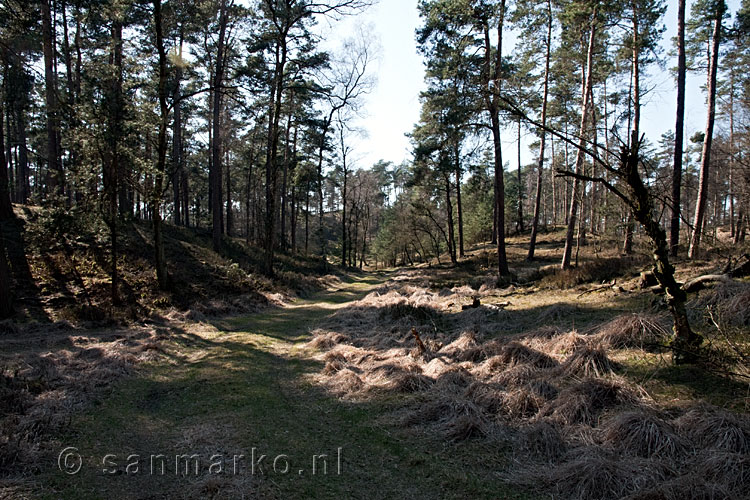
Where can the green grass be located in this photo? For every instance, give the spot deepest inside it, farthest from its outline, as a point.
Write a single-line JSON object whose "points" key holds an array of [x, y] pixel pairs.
{"points": [[244, 386]]}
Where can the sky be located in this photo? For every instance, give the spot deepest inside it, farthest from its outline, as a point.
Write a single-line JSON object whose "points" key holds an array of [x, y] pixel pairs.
{"points": [[392, 108]]}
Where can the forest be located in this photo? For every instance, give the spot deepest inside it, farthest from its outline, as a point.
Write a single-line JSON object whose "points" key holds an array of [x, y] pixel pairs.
{"points": [[206, 293]]}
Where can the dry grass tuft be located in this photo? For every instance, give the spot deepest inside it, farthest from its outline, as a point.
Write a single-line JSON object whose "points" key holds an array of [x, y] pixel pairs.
{"points": [[335, 356], [587, 361], [480, 352], [326, 340], [516, 353], [732, 470], [543, 388], [515, 376], [454, 378], [633, 330], [467, 340], [40, 390], [642, 433], [585, 401], [454, 416], [564, 343], [332, 367], [542, 441], [489, 397], [346, 383], [730, 300], [409, 382], [712, 427], [591, 473], [465, 427], [521, 403]]}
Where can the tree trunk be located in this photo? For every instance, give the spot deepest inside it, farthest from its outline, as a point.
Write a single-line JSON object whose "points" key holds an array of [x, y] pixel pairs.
{"points": [[287, 159], [540, 163], [229, 220], [55, 177], [272, 153], [216, 167], [157, 192], [459, 206], [713, 65], [674, 230], [6, 293], [115, 131], [685, 340], [449, 214], [177, 167], [519, 208], [586, 90], [6, 209], [493, 73]]}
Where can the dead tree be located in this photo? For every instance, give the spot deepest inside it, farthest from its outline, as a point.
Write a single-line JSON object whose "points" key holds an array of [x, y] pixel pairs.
{"points": [[640, 202]]}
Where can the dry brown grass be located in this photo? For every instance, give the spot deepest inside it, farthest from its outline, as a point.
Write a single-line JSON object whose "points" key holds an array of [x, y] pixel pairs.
{"points": [[587, 361], [731, 470], [642, 433], [517, 353], [409, 382], [633, 330], [730, 300], [516, 375], [454, 416], [489, 397], [592, 473], [714, 428], [552, 392], [326, 340], [585, 401], [40, 388], [541, 441]]}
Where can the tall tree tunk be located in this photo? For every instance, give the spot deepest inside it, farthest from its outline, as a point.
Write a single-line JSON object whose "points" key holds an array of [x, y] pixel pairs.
{"points": [[157, 190], [55, 176], [586, 90], [542, 133], [716, 12], [114, 108], [493, 63], [216, 144], [679, 132], [179, 211]]}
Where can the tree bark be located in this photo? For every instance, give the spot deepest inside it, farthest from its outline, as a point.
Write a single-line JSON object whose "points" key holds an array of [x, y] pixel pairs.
{"points": [[674, 230], [708, 139], [540, 163], [272, 153], [216, 197], [586, 90], [112, 168], [55, 177], [6, 208], [6, 290], [160, 261], [493, 76], [459, 206], [177, 166], [685, 340]]}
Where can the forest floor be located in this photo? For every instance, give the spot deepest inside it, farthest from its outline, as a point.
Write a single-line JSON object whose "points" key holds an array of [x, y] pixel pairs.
{"points": [[550, 387], [242, 386]]}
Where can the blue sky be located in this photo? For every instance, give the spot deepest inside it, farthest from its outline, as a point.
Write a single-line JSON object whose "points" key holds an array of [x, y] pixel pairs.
{"points": [[392, 108]]}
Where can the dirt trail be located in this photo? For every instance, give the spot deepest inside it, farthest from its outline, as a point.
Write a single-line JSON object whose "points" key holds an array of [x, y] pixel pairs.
{"points": [[238, 389]]}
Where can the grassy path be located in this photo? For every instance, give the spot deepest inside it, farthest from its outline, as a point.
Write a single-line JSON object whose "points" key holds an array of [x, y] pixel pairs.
{"points": [[228, 395]]}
